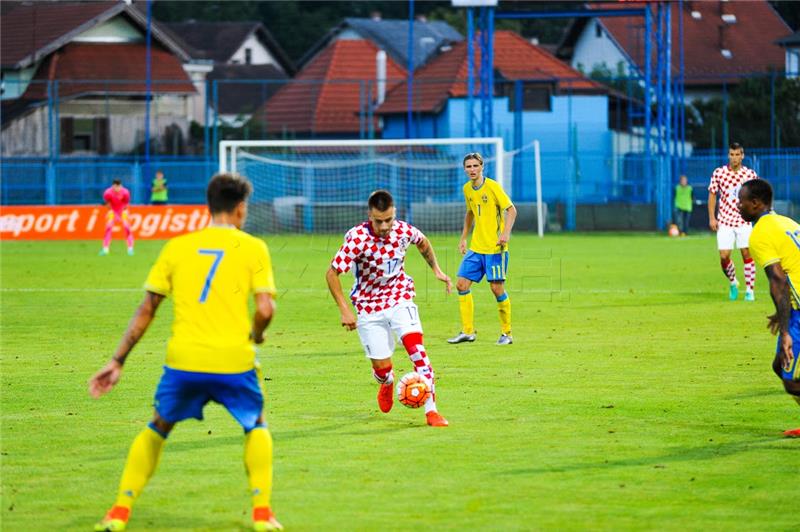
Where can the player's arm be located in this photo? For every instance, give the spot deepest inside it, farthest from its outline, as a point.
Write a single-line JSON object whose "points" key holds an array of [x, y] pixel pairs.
{"points": [[712, 209], [779, 322], [469, 218], [335, 287], [426, 250], [265, 309], [109, 375], [511, 216]]}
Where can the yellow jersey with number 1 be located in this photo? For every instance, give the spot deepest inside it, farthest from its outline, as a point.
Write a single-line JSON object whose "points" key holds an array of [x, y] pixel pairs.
{"points": [[487, 203], [211, 275], [776, 239]]}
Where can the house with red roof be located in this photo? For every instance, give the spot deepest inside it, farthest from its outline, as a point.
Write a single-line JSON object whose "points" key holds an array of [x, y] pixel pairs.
{"points": [[553, 96], [332, 95], [723, 42], [75, 71]]}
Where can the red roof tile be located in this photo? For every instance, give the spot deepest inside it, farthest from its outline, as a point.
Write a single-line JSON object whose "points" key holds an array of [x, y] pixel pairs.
{"points": [[326, 96], [92, 64], [28, 29], [514, 58], [751, 39]]}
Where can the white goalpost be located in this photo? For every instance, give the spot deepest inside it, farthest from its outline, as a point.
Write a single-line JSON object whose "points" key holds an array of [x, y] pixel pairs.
{"points": [[322, 185]]}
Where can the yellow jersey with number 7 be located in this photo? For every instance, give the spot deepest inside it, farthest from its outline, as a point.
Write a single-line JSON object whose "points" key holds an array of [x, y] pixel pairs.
{"points": [[211, 275], [487, 203], [776, 239]]}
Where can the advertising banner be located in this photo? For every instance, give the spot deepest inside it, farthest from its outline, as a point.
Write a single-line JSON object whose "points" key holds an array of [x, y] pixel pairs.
{"points": [[87, 222]]}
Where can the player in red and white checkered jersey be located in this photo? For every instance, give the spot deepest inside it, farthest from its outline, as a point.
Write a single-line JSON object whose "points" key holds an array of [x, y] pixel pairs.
{"points": [[383, 295], [730, 226]]}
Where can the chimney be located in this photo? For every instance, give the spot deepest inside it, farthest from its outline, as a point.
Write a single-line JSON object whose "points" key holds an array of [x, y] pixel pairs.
{"points": [[380, 76], [723, 41]]}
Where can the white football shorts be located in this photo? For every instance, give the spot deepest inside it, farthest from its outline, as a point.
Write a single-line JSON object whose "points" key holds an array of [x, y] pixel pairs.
{"points": [[728, 236], [377, 330]]}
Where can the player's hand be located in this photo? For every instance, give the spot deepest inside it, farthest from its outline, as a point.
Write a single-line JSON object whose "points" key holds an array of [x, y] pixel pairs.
{"points": [[446, 280], [348, 319], [258, 340], [774, 324], [105, 379], [502, 240], [786, 354], [462, 247], [713, 224]]}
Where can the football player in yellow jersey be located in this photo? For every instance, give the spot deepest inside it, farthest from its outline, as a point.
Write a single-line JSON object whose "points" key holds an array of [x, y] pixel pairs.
{"points": [[490, 210], [211, 354], [775, 245]]}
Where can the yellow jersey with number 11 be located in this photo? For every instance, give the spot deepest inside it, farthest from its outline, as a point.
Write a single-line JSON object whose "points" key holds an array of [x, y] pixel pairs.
{"points": [[487, 203]]}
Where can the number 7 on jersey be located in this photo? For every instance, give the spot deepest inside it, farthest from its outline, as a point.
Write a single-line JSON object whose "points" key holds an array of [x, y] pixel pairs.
{"points": [[217, 254]]}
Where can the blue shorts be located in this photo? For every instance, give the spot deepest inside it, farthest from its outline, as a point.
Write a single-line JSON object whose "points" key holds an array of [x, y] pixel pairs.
{"points": [[793, 373], [475, 265], [183, 394]]}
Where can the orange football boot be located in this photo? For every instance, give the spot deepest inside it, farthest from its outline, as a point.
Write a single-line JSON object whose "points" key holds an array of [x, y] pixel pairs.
{"points": [[792, 433], [264, 519], [385, 397], [435, 419]]}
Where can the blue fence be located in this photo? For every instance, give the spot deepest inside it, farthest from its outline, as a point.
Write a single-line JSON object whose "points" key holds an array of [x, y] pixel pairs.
{"points": [[567, 179]]}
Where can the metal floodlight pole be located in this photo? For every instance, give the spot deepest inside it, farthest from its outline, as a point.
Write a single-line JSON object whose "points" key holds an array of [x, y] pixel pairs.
{"points": [[148, 81], [410, 93]]}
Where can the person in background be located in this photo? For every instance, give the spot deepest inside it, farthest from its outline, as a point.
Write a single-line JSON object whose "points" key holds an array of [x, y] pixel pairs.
{"points": [[683, 205], [117, 198], [158, 192]]}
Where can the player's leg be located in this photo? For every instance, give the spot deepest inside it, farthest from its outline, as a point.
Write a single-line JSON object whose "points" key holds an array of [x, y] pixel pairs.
{"points": [[496, 269], [179, 396], [406, 324], [726, 239], [376, 337], [241, 394], [790, 375], [743, 243], [143, 458], [128, 232], [110, 217], [471, 270]]}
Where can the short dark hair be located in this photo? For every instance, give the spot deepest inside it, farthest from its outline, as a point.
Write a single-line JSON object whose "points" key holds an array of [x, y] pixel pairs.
{"points": [[226, 191], [380, 200], [115, 182], [735, 146], [759, 189], [474, 155]]}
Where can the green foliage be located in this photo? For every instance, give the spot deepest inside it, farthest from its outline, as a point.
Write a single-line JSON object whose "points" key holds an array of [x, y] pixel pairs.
{"points": [[297, 26], [635, 397], [748, 115]]}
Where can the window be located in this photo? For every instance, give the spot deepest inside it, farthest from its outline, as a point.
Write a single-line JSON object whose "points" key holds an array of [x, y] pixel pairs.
{"points": [[598, 30], [248, 56], [535, 96], [84, 135]]}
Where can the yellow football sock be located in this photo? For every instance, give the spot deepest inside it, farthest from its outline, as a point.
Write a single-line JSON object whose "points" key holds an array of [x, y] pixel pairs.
{"points": [[142, 461], [466, 308], [504, 310], [258, 461]]}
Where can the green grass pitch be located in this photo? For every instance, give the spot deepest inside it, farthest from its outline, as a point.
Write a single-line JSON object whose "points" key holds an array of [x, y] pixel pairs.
{"points": [[635, 396]]}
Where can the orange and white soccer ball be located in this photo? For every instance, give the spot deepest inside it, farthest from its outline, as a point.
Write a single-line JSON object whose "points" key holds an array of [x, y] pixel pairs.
{"points": [[673, 230], [413, 390]]}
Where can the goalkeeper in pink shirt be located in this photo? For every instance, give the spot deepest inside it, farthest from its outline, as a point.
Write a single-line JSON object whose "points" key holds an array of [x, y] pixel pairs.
{"points": [[117, 198]]}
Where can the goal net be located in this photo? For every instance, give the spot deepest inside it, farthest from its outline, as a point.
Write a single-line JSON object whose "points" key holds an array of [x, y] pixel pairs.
{"points": [[323, 185]]}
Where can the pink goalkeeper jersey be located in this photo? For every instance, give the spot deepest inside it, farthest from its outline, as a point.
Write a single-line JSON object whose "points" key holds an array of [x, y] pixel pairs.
{"points": [[381, 282], [727, 183], [118, 199]]}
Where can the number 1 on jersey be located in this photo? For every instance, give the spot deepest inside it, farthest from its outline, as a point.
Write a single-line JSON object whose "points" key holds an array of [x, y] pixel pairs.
{"points": [[217, 253]]}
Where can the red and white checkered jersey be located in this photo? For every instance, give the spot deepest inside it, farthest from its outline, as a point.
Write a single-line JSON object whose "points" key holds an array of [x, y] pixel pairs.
{"points": [[727, 183], [377, 263]]}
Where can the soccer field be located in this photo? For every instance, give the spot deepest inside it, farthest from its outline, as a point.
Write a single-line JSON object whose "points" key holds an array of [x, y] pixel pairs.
{"points": [[635, 396]]}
